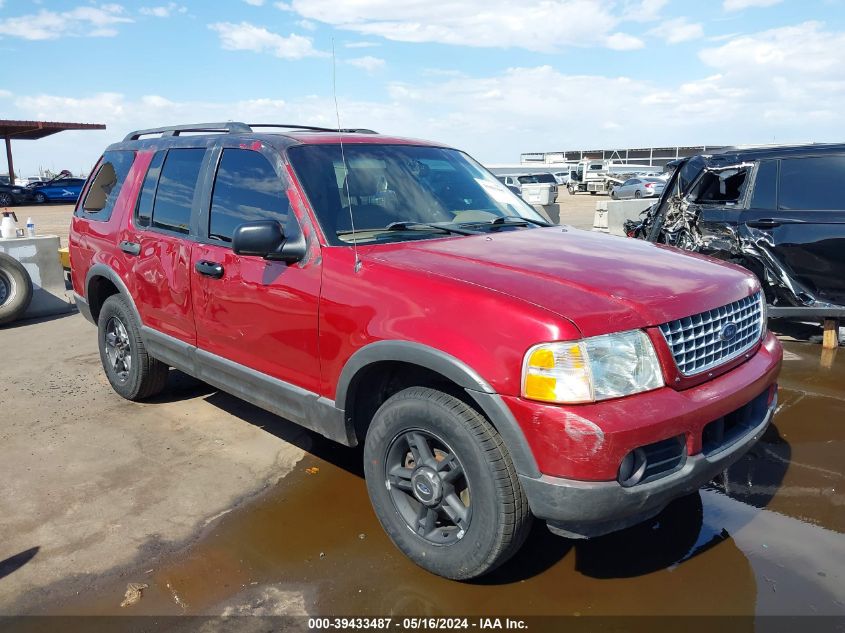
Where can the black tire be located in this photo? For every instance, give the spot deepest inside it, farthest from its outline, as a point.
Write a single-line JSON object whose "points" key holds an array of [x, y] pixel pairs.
{"points": [[15, 289], [40, 198], [465, 453], [637, 194], [6, 199], [119, 337]]}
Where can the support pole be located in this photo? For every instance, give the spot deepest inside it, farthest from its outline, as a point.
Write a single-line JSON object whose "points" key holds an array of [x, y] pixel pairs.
{"points": [[9, 161], [831, 334]]}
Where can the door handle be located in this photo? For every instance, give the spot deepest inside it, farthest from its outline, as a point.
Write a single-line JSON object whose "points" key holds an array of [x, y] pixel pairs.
{"points": [[764, 223], [130, 248], [209, 269]]}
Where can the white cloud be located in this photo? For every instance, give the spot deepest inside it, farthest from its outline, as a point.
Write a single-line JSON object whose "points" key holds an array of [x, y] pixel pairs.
{"points": [[536, 25], [780, 83], [678, 30], [308, 25], [92, 21], [794, 51], [368, 63], [739, 5], [624, 42], [248, 37], [163, 11], [255, 3], [645, 10]]}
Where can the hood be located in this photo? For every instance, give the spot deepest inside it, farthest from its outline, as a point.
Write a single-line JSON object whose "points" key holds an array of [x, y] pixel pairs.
{"points": [[601, 283]]}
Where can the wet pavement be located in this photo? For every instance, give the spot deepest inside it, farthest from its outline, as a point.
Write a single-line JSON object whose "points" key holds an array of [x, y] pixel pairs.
{"points": [[767, 539]]}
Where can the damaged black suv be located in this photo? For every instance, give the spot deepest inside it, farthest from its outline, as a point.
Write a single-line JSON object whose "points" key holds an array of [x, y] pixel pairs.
{"points": [[778, 211]]}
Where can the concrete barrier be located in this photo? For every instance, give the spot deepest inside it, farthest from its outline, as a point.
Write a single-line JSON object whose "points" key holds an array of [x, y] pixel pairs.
{"points": [[600, 218], [40, 257], [611, 215]]}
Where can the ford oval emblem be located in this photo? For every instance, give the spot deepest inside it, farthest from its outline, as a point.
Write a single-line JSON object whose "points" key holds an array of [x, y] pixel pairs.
{"points": [[728, 332], [424, 489]]}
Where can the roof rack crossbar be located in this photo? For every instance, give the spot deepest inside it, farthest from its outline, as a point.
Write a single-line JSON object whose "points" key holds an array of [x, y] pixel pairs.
{"points": [[230, 127]]}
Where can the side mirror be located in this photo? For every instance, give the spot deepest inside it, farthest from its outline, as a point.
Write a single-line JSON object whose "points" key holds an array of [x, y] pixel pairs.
{"points": [[266, 238]]}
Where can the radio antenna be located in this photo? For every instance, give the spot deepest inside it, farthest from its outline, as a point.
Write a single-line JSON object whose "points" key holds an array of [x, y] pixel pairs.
{"points": [[343, 160]]}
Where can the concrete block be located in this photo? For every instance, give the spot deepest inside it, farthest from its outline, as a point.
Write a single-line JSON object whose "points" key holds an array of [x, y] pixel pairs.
{"points": [[40, 257], [600, 218], [618, 211]]}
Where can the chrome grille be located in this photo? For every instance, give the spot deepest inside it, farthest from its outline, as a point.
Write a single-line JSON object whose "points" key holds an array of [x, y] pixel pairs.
{"points": [[697, 341]]}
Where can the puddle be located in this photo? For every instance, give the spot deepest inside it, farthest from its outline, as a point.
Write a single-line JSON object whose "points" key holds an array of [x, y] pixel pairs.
{"points": [[768, 540]]}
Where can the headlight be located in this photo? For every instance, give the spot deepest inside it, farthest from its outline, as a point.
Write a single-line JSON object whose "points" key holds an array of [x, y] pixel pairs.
{"points": [[597, 368]]}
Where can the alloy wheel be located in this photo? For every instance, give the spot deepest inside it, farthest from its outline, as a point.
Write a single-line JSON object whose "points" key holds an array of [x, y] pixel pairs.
{"points": [[428, 486], [118, 349]]}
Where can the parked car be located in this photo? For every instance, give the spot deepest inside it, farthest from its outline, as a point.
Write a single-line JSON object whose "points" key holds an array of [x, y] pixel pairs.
{"points": [[640, 187], [772, 210], [395, 294], [12, 194], [562, 177], [59, 190]]}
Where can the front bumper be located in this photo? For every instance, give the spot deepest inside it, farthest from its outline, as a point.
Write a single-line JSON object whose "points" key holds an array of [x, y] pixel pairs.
{"points": [[581, 509]]}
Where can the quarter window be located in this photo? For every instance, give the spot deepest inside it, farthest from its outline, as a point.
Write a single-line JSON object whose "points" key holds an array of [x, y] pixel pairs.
{"points": [[810, 183], [176, 186], [105, 188], [246, 189]]}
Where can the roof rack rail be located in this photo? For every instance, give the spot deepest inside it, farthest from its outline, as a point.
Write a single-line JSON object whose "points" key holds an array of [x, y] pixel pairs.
{"points": [[312, 128], [230, 127], [235, 127]]}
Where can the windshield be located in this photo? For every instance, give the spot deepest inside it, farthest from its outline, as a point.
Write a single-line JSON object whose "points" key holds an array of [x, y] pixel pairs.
{"points": [[390, 187]]}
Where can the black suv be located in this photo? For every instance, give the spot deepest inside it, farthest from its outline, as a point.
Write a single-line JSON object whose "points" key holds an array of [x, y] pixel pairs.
{"points": [[778, 211]]}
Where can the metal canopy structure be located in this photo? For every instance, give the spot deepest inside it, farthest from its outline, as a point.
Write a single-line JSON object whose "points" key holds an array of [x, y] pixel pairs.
{"points": [[33, 130]]}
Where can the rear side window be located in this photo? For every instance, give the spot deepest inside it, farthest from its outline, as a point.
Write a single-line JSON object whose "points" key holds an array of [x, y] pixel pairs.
{"points": [[765, 186], [810, 183], [176, 185], [144, 208], [246, 189], [105, 188]]}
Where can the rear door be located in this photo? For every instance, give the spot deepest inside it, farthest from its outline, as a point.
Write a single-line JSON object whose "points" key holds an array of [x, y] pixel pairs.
{"points": [[159, 242], [260, 314], [799, 207]]}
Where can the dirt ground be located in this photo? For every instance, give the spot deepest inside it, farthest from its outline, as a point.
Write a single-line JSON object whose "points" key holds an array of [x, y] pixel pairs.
{"points": [[221, 508]]}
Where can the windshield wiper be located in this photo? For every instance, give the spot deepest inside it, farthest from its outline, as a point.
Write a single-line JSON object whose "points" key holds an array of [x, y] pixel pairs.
{"points": [[414, 226], [508, 220]]}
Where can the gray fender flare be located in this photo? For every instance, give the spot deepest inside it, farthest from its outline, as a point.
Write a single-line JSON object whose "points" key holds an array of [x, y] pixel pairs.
{"points": [[488, 401], [102, 270]]}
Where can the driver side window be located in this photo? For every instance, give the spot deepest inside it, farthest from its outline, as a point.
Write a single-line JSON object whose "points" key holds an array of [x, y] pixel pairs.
{"points": [[246, 189]]}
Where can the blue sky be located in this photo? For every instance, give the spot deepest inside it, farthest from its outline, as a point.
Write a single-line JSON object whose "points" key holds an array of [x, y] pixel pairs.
{"points": [[496, 78]]}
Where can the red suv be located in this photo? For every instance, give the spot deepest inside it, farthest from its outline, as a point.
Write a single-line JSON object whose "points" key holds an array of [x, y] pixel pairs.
{"points": [[394, 293]]}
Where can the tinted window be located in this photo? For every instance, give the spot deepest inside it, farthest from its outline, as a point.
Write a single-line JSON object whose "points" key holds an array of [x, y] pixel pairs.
{"points": [[176, 185], [144, 208], [246, 189], [810, 183], [105, 188], [765, 186]]}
